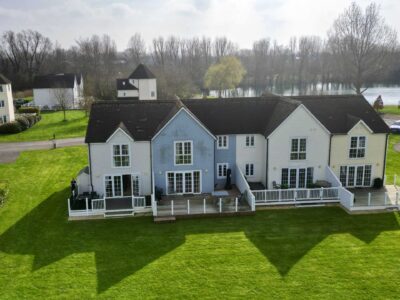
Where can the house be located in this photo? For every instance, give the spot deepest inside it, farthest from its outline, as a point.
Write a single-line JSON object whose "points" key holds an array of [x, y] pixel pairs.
{"points": [[47, 88], [140, 85], [6, 101], [295, 146]]}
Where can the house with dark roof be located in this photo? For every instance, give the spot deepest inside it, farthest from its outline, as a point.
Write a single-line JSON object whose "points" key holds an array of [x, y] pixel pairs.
{"points": [[47, 88], [6, 101], [140, 85], [260, 151]]}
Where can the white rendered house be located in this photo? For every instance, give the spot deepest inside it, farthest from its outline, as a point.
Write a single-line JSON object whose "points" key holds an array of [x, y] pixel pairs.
{"points": [[140, 85], [45, 88], [6, 101], [274, 150]]}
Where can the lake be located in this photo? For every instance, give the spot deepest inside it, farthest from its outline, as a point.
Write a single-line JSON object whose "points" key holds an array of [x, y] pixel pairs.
{"points": [[390, 94]]}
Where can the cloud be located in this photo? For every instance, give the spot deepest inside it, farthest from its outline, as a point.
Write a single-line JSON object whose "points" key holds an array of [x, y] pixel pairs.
{"points": [[242, 21]]}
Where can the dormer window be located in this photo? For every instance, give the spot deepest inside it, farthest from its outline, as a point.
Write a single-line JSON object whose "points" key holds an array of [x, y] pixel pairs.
{"points": [[357, 147]]}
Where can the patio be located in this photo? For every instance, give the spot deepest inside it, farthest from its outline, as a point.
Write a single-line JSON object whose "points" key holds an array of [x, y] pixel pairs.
{"points": [[386, 196], [230, 201]]}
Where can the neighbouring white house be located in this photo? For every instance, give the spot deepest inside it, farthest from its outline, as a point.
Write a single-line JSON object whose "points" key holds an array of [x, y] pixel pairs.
{"points": [[140, 85], [47, 87], [6, 101], [229, 155]]}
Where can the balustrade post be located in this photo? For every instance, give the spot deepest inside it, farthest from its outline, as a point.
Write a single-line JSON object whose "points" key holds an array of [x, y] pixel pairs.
{"points": [[265, 196], [236, 204], [172, 207], [280, 195], [220, 205], [188, 207], [133, 202], [295, 195], [87, 206], [204, 206], [69, 206], [321, 193]]}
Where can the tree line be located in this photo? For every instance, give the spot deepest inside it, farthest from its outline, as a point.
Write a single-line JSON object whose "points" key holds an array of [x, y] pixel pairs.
{"points": [[358, 51]]}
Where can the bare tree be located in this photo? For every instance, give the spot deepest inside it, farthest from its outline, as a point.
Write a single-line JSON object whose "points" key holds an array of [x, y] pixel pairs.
{"points": [[62, 99], [26, 51], [362, 43], [136, 50]]}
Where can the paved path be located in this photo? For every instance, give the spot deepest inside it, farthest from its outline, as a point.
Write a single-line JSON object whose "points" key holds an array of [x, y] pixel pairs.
{"points": [[9, 152]]}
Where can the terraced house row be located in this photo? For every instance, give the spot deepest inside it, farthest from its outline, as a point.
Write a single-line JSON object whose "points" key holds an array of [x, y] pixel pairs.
{"points": [[215, 147]]}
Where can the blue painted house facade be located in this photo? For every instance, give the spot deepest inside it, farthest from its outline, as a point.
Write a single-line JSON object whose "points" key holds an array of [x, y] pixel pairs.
{"points": [[183, 156]]}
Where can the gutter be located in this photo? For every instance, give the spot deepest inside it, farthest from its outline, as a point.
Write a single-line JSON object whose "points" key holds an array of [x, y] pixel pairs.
{"points": [[330, 150], [90, 168], [267, 165], [384, 160]]}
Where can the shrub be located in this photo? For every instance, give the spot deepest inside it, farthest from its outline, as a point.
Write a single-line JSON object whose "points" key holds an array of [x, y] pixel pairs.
{"points": [[378, 183], [29, 110], [11, 127], [32, 119], [24, 122], [3, 192]]}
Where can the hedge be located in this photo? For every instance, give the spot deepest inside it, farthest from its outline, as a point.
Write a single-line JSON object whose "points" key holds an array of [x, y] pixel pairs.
{"points": [[32, 119], [11, 127], [4, 190], [24, 122], [29, 110]]}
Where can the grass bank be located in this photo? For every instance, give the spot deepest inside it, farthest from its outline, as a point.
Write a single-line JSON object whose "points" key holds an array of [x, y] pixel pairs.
{"points": [[292, 254], [52, 123]]}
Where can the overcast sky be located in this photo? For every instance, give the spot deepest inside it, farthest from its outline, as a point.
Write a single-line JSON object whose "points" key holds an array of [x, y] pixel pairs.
{"points": [[241, 21]]}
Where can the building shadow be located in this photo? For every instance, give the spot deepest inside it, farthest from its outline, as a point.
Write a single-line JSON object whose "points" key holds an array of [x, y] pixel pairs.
{"points": [[124, 246]]}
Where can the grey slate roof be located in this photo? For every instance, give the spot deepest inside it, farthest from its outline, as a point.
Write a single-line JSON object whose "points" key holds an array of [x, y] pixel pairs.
{"points": [[4, 79], [140, 118], [141, 72], [143, 119], [61, 80], [340, 113]]}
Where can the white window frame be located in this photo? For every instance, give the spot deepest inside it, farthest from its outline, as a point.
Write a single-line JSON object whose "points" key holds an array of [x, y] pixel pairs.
{"points": [[355, 185], [222, 142], [308, 174], [112, 155], [245, 170], [183, 148], [183, 182], [122, 182], [250, 141], [222, 165], [298, 152], [357, 148]]}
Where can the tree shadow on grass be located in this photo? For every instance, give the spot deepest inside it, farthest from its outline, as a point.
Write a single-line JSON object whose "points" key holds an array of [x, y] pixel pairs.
{"points": [[124, 246]]}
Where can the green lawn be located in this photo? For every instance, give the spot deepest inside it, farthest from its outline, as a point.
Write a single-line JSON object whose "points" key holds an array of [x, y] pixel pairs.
{"points": [[295, 253], [393, 160], [391, 109], [52, 122]]}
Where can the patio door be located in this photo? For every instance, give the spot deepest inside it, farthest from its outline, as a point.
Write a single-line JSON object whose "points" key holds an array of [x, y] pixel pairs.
{"points": [[297, 177], [125, 185], [356, 176], [187, 182]]}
